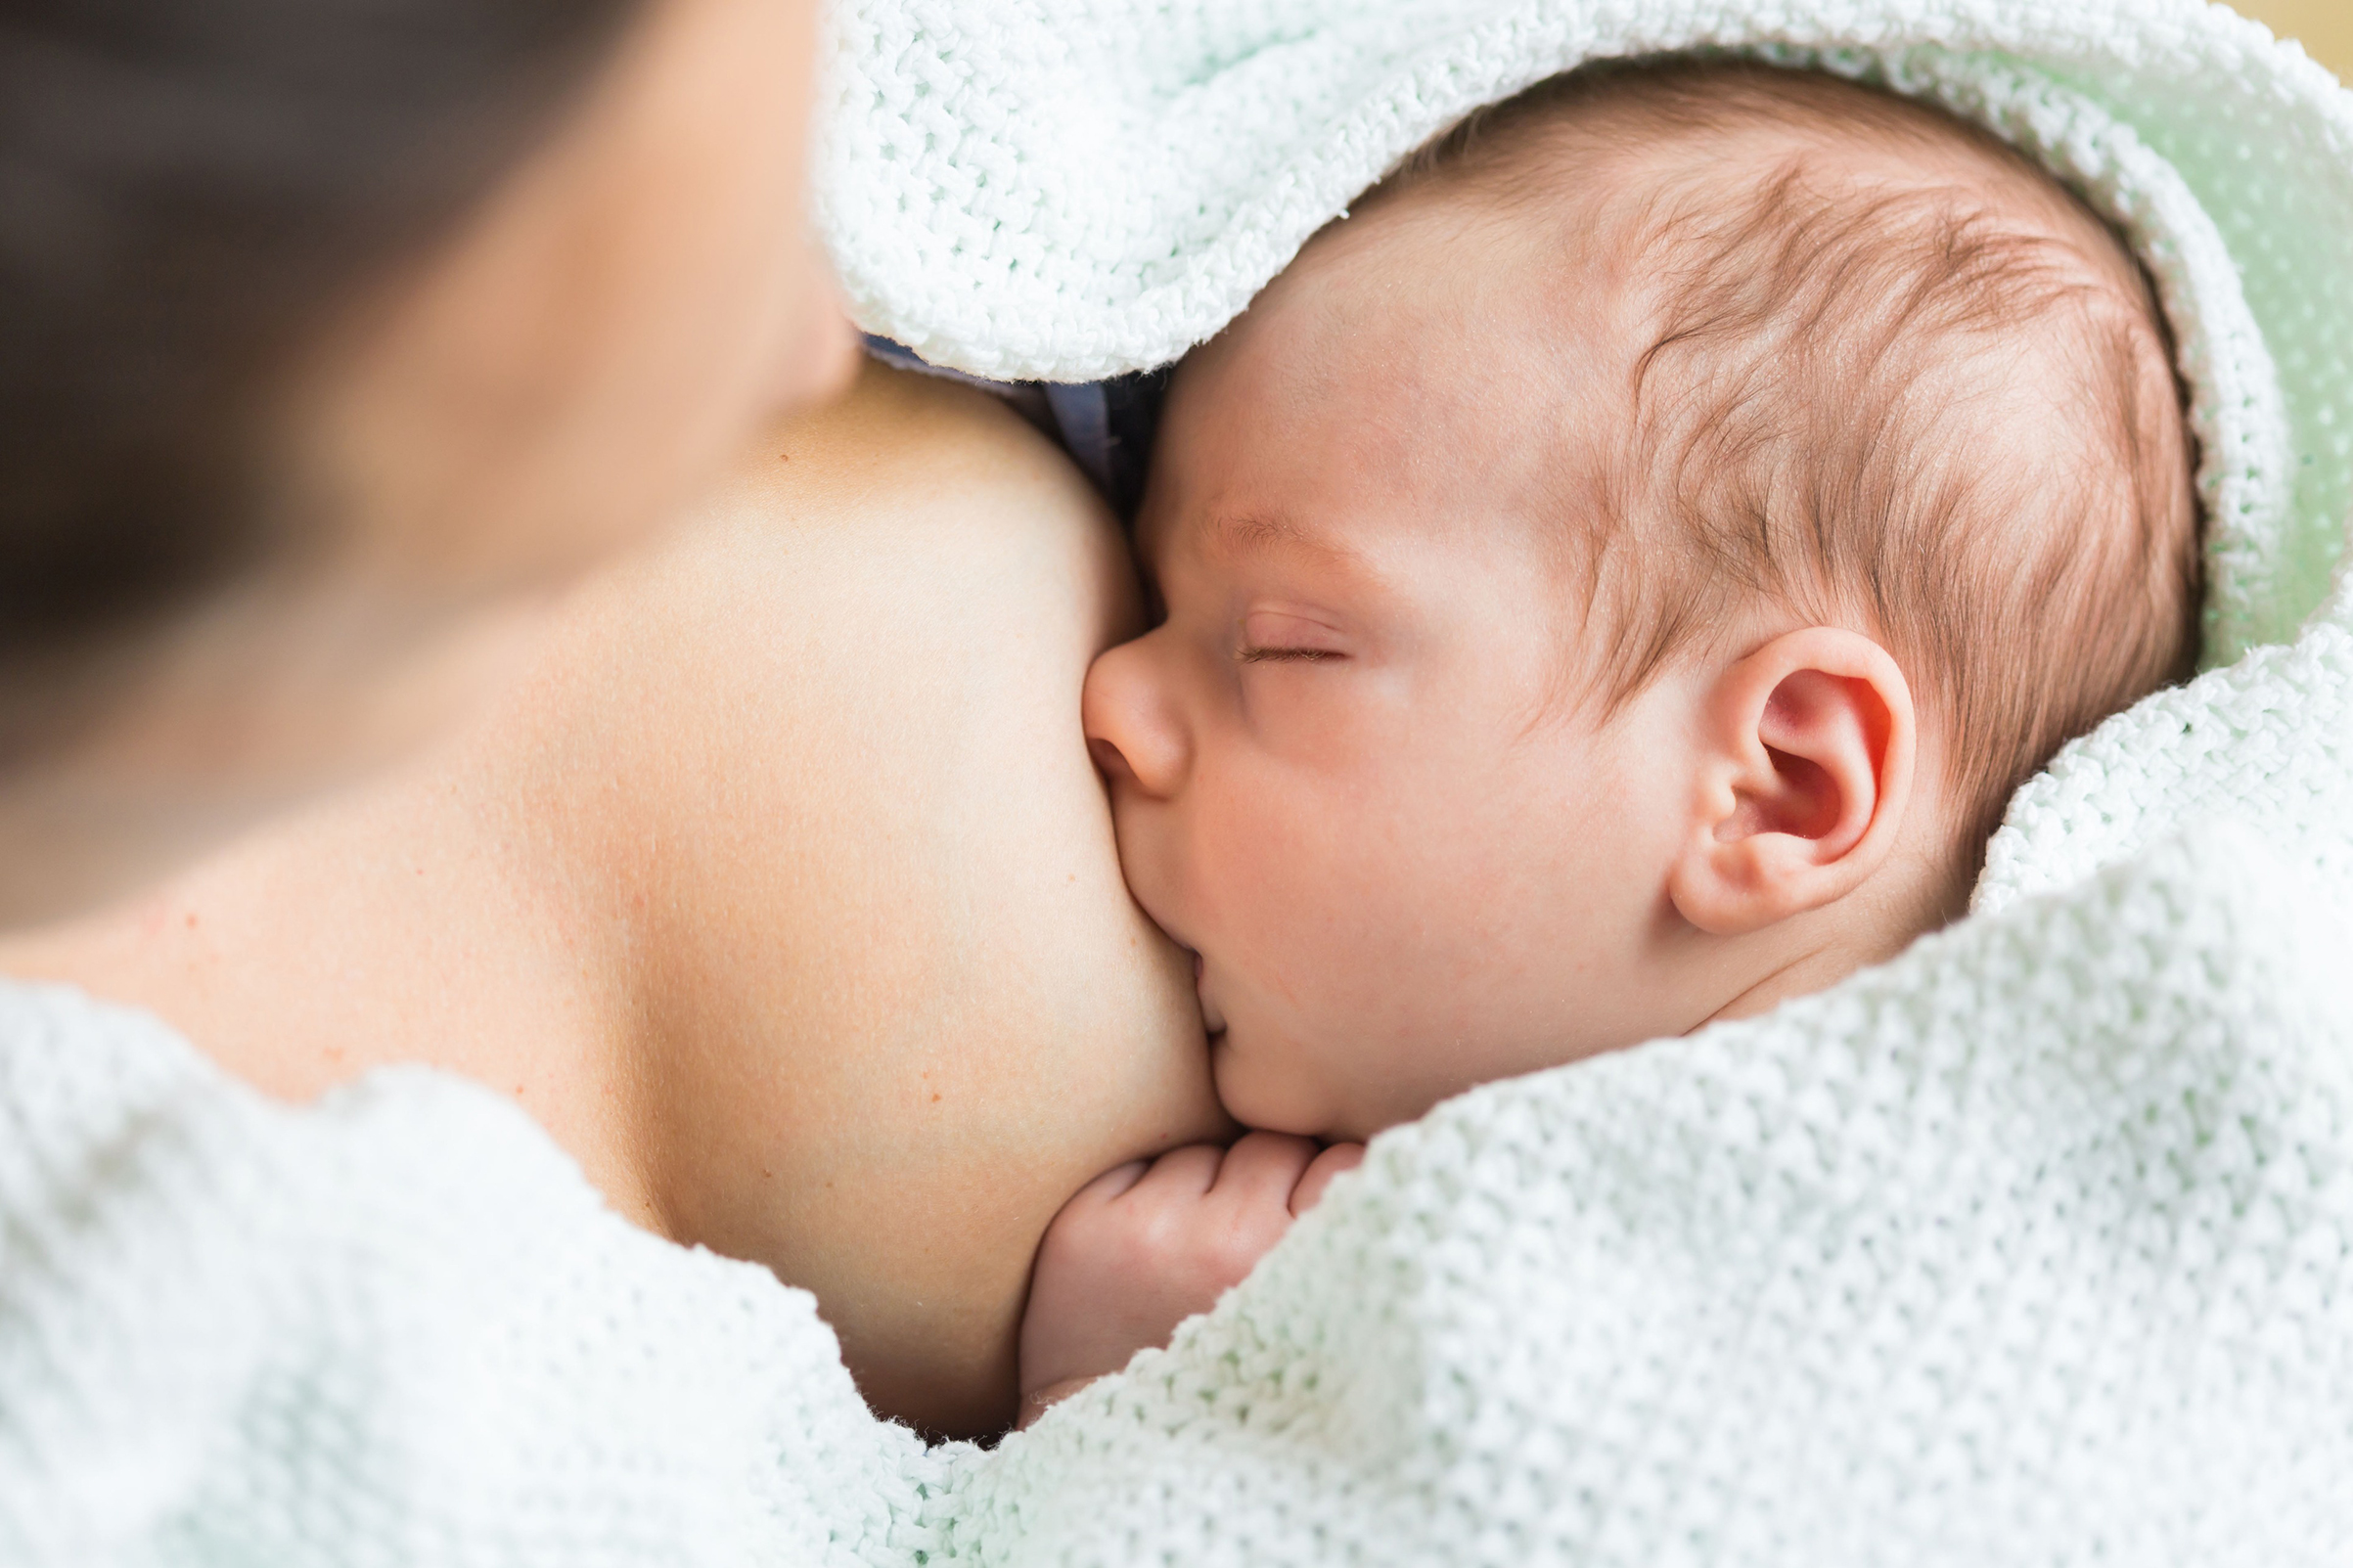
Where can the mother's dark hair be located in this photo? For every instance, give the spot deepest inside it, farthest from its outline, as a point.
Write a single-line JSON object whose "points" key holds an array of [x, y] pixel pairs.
{"points": [[188, 191]]}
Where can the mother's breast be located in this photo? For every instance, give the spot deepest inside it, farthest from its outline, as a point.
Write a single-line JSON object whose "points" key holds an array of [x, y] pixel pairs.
{"points": [[894, 1002]]}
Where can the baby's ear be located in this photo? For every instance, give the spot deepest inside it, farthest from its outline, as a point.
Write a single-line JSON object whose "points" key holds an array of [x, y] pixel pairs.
{"points": [[1805, 766]]}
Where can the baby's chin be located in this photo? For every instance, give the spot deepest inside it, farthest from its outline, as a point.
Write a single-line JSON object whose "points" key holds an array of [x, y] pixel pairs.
{"points": [[1257, 1092]]}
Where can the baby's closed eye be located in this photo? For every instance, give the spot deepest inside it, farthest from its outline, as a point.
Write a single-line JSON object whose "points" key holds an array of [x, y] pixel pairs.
{"points": [[1275, 635], [1311, 655]]}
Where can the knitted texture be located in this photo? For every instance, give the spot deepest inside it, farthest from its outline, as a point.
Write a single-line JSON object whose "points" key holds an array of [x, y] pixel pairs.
{"points": [[1066, 190], [400, 1328], [2031, 1246]]}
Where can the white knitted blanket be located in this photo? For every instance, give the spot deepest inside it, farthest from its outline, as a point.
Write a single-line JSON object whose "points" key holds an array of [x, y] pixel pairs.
{"points": [[2031, 1246]]}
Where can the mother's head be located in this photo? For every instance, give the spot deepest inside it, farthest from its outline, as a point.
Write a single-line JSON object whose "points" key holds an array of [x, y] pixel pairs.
{"points": [[335, 330]]}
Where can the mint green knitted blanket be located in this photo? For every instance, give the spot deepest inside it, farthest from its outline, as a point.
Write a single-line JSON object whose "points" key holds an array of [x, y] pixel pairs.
{"points": [[2031, 1246]]}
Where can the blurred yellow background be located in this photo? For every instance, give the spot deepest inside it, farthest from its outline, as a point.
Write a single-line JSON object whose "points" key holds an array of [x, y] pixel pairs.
{"points": [[2325, 26]]}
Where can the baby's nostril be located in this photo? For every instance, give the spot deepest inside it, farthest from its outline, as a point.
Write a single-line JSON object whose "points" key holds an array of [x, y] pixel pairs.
{"points": [[1108, 759]]}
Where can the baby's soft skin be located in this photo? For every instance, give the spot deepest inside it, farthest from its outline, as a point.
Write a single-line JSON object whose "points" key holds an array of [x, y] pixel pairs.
{"points": [[1142, 1247], [1358, 766], [1349, 773]]}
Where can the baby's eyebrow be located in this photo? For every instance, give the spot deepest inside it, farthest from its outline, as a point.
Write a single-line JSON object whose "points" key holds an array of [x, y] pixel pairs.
{"points": [[1242, 533]]}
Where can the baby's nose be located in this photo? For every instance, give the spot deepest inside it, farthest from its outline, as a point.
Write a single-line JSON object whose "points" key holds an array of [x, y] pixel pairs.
{"points": [[1110, 760], [1135, 728]]}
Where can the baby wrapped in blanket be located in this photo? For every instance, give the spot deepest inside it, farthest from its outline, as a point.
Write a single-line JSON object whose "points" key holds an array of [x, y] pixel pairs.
{"points": [[1612, 582]]}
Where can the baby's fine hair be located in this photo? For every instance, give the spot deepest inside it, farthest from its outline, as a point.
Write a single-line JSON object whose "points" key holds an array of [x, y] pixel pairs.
{"points": [[1894, 376]]}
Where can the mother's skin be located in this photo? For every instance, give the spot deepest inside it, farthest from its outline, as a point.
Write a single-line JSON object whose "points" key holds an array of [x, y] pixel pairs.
{"points": [[783, 894]]}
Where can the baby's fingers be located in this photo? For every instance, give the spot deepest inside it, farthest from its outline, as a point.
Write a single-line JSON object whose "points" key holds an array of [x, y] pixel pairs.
{"points": [[1112, 1183], [1180, 1174], [1262, 1170], [1319, 1174]]}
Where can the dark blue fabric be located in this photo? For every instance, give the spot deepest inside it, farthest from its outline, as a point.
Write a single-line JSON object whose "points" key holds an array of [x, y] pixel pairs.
{"points": [[1107, 427]]}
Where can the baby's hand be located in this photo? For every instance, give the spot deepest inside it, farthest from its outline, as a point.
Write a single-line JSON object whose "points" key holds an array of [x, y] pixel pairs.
{"points": [[1145, 1247]]}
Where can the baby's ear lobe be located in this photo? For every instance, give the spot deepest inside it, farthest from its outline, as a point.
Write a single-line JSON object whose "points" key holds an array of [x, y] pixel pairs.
{"points": [[1806, 766]]}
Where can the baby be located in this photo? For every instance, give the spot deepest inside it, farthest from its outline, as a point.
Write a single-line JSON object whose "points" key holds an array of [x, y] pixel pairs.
{"points": [[1611, 582]]}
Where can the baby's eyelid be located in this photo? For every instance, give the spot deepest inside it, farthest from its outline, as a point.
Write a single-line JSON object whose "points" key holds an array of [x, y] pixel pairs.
{"points": [[1281, 634]]}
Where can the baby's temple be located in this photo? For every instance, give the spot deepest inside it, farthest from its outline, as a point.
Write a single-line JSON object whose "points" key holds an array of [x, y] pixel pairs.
{"points": [[894, 783]]}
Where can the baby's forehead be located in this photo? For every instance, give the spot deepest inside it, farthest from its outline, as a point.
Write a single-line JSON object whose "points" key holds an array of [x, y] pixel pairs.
{"points": [[1601, 220], [1483, 320]]}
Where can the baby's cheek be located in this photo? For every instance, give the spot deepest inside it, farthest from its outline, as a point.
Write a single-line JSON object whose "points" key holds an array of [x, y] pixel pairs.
{"points": [[1299, 909], [1316, 894]]}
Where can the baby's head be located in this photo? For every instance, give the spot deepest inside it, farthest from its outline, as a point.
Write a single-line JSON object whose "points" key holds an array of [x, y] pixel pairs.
{"points": [[1615, 578]]}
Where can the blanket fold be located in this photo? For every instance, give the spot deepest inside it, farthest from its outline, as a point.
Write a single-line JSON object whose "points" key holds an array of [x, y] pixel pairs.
{"points": [[2031, 1246]]}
